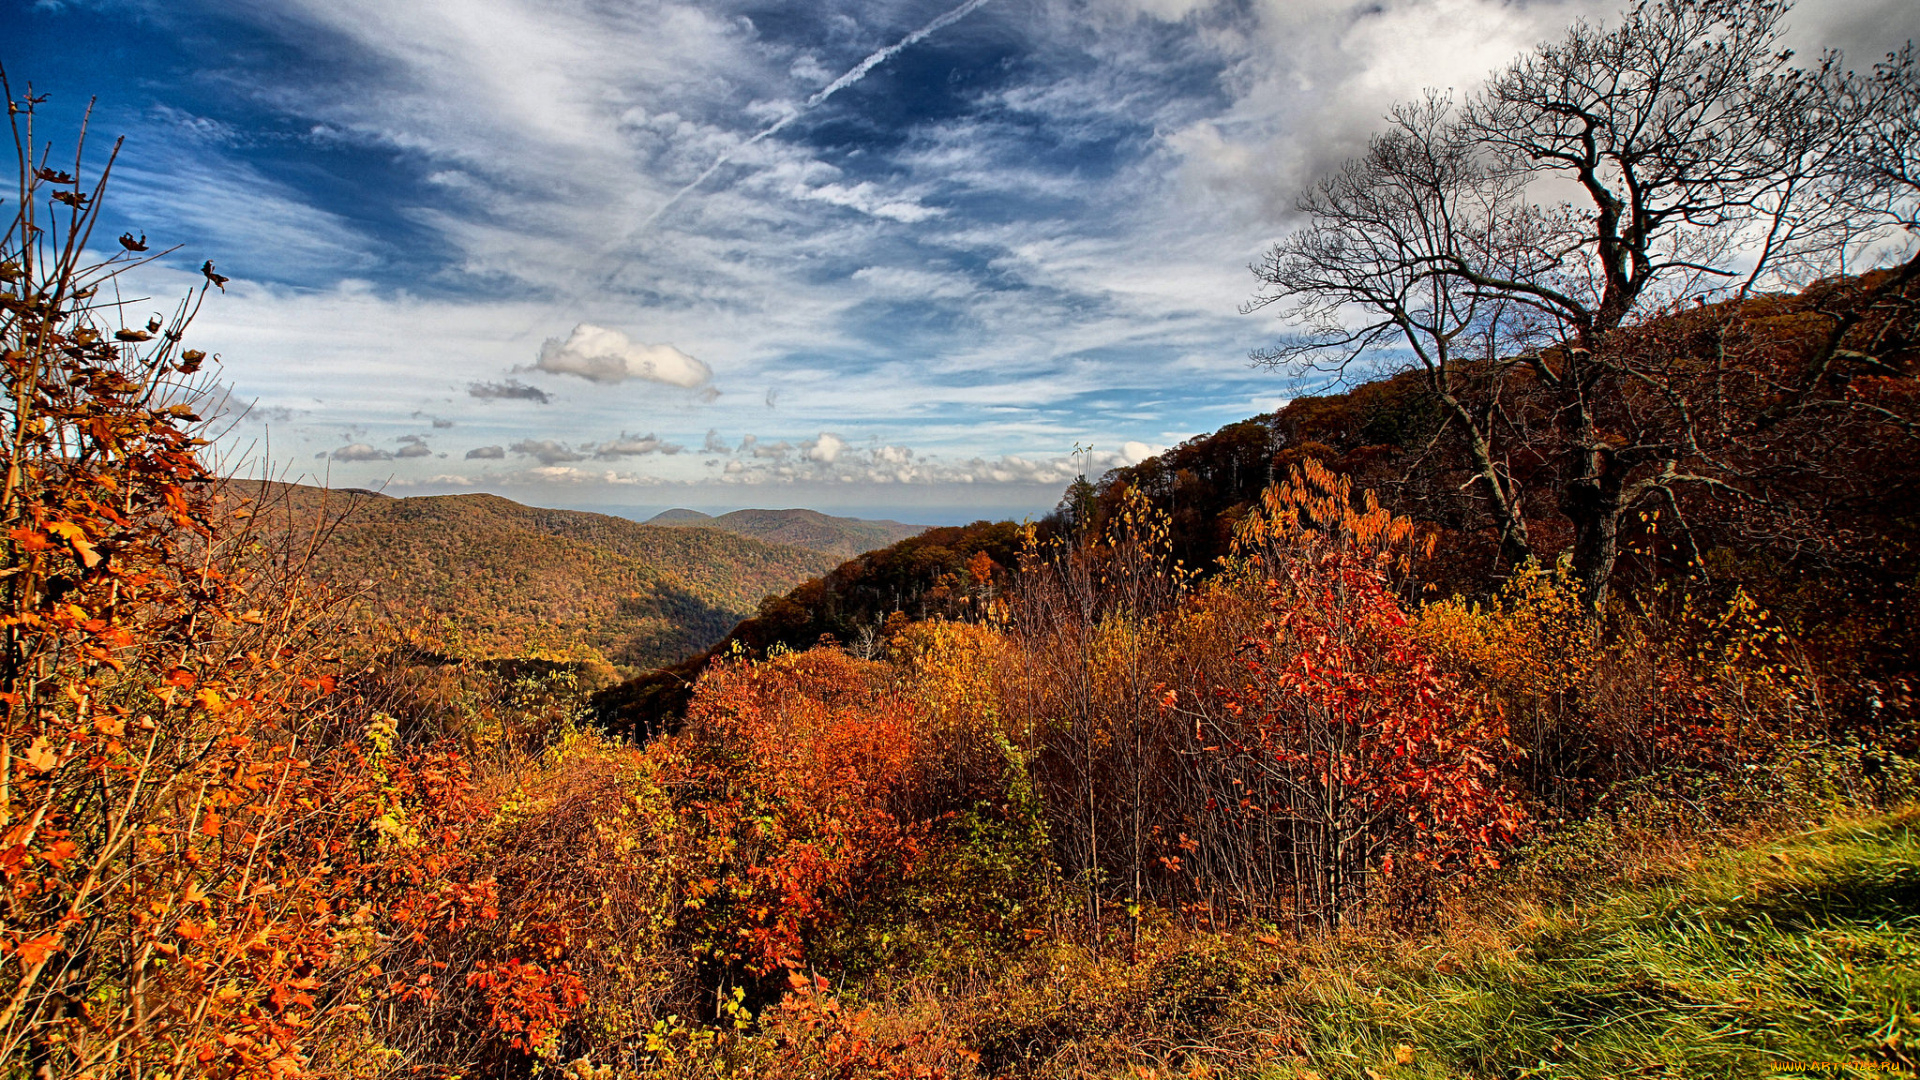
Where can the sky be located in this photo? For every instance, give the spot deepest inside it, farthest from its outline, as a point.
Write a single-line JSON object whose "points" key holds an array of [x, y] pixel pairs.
{"points": [[919, 260]]}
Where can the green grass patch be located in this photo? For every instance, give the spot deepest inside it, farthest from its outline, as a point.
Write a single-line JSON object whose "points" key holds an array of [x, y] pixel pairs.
{"points": [[1799, 958]]}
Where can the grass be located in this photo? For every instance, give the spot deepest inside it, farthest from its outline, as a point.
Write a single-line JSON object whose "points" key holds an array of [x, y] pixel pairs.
{"points": [[1796, 958]]}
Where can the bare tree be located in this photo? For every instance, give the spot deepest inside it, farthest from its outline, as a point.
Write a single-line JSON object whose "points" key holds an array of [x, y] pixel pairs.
{"points": [[1505, 243]]}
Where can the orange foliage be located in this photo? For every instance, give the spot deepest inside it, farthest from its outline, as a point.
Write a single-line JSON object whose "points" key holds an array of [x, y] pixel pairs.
{"points": [[1599, 701], [801, 762], [1315, 511]]}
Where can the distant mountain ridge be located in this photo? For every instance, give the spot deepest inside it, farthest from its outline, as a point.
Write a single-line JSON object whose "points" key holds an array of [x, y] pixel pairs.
{"points": [[503, 580], [840, 537]]}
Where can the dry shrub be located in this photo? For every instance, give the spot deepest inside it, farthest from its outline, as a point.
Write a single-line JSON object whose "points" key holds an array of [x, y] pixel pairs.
{"points": [[813, 1035]]}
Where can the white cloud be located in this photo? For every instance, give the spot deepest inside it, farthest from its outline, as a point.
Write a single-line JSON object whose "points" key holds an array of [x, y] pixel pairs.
{"points": [[829, 458], [454, 480], [868, 198], [600, 355], [360, 452], [567, 474], [825, 448]]}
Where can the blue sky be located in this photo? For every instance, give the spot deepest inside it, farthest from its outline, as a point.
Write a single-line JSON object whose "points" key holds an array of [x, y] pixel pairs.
{"points": [[886, 256]]}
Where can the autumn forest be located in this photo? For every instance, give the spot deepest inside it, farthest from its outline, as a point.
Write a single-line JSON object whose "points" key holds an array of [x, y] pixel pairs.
{"points": [[1535, 697]]}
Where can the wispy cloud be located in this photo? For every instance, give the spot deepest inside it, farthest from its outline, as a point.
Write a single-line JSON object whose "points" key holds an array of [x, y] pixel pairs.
{"points": [[924, 243], [855, 74]]}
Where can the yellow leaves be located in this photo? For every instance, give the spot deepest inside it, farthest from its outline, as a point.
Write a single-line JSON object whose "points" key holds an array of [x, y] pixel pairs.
{"points": [[76, 538], [210, 700], [1536, 639]]}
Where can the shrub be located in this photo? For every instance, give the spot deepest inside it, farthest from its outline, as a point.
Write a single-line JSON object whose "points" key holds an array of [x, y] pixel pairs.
{"points": [[213, 860], [800, 767]]}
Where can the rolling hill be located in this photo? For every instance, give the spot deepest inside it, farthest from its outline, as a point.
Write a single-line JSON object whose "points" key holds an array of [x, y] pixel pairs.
{"points": [[840, 537], [495, 579]]}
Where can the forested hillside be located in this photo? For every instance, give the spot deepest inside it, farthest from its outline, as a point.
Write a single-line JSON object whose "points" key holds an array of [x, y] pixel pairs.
{"points": [[484, 577], [841, 537], [1824, 535]]}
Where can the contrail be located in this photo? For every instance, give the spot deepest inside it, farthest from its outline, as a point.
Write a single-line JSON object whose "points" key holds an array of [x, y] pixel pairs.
{"points": [[855, 74], [858, 72]]}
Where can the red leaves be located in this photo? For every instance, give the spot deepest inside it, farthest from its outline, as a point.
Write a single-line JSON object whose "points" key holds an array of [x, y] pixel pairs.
{"points": [[814, 756], [1364, 738], [526, 1001]]}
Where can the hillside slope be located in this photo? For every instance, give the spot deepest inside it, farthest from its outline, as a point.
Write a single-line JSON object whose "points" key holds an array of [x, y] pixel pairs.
{"points": [[1792, 957], [939, 573], [498, 579], [840, 537]]}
